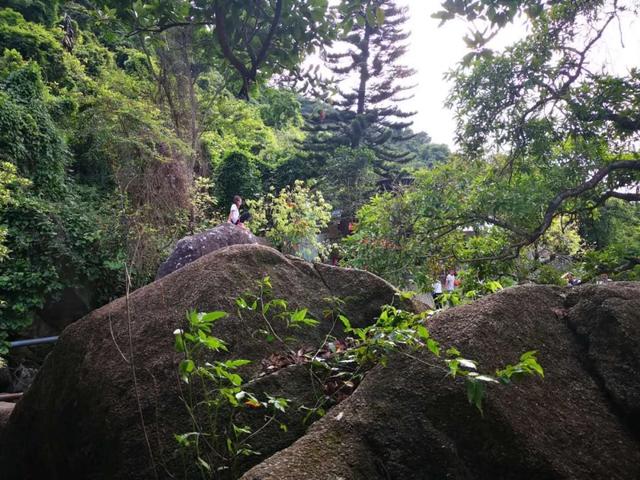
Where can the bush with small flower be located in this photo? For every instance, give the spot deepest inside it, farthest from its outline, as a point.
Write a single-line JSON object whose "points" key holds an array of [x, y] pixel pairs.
{"points": [[292, 220]]}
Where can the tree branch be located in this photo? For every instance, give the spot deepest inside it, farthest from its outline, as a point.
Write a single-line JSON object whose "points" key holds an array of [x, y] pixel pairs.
{"points": [[580, 189], [164, 27], [262, 54], [627, 197], [512, 251], [221, 35]]}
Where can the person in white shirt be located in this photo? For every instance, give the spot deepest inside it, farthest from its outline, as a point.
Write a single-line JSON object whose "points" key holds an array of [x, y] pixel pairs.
{"points": [[234, 213], [437, 292], [450, 281]]}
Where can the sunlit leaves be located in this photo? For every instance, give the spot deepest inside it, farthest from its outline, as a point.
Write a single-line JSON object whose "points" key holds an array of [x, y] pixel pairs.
{"points": [[528, 365], [293, 219]]}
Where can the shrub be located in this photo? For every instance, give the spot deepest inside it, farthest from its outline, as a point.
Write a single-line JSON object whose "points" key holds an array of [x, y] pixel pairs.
{"points": [[34, 42], [293, 220]]}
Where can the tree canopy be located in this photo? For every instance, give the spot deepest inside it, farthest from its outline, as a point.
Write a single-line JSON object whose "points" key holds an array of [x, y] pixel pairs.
{"points": [[366, 62], [568, 132], [546, 140]]}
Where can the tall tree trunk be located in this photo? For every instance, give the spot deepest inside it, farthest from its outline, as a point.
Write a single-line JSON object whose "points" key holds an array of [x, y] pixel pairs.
{"points": [[364, 71], [357, 129]]}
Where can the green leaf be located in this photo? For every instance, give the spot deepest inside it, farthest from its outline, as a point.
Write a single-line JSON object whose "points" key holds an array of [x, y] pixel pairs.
{"points": [[179, 344], [486, 378], [278, 403], [453, 367], [423, 333], [187, 366], [234, 378], [213, 343], [204, 464], [469, 364], [213, 316], [453, 352], [528, 355], [433, 347], [475, 393], [345, 321], [192, 317], [299, 315], [236, 363], [280, 303], [238, 430]]}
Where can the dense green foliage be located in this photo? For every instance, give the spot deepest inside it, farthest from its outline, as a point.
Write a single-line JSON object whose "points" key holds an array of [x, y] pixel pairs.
{"points": [[252, 40], [292, 220], [115, 146], [548, 154], [239, 175], [54, 230]]}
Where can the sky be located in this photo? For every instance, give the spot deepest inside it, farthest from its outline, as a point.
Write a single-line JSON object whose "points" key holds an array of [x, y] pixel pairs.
{"points": [[435, 50]]}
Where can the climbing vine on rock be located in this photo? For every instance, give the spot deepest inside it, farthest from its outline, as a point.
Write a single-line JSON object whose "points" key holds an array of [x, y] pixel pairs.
{"points": [[217, 440]]}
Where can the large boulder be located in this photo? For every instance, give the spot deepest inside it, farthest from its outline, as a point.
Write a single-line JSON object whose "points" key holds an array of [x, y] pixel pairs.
{"points": [[606, 320], [195, 246], [81, 418], [407, 421]]}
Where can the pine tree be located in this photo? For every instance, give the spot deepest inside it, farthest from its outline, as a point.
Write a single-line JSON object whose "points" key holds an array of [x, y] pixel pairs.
{"points": [[372, 82]]}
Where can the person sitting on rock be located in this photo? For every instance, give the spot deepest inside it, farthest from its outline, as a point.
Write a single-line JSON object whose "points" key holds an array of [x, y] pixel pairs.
{"points": [[234, 213]]}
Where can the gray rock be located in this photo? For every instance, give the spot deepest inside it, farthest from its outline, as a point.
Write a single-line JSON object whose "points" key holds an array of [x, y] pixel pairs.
{"points": [[425, 299], [606, 319], [5, 412], [195, 246], [22, 378]]}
